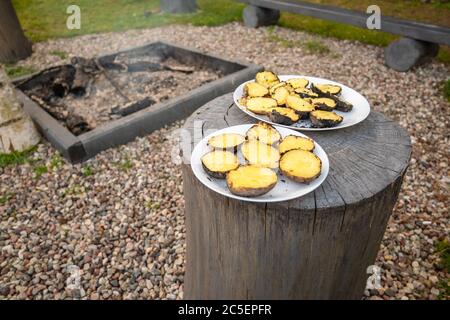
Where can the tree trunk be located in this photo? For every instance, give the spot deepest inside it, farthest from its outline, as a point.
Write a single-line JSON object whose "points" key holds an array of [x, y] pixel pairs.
{"points": [[17, 131], [14, 45]]}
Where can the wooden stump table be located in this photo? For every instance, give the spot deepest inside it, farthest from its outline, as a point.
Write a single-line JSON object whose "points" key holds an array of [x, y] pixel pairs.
{"points": [[315, 247]]}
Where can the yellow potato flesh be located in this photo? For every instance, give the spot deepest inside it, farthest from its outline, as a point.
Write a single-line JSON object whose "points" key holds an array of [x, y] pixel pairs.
{"points": [[260, 154], [227, 140], [263, 133], [294, 142], [220, 161], [252, 177], [300, 164]]}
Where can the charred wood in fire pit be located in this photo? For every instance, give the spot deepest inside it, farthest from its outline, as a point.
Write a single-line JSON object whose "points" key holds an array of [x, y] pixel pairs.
{"points": [[147, 66], [132, 107]]}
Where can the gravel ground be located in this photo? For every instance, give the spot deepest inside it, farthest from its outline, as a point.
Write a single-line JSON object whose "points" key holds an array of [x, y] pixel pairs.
{"points": [[119, 217]]}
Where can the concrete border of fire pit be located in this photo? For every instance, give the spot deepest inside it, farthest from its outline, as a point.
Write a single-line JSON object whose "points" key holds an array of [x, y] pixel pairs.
{"points": [[80, 148]]}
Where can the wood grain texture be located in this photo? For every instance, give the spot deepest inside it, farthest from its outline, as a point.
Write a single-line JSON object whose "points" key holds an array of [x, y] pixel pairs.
{"points": [[314, 247]]}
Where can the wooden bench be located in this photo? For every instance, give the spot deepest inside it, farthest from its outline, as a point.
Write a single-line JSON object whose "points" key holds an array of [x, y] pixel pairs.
{"points": [[420, 41], [318, 246]]}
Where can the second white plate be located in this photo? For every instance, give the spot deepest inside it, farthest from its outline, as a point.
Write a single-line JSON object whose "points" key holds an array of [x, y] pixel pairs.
{"points": [[360, 111]]}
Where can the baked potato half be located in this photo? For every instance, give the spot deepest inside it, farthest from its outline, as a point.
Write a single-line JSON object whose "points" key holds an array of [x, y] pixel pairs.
{"points": [[226, 141], [266, 78], [326, 104], [301, 106], [281, 94], [260, 154], [286, 116], [261, 105], [325, 119], [254, 89], [263, 132], [326, 90], [298, 82], [300, 165], [218, 163], [306, 93], [251, 181], [295, 142]]}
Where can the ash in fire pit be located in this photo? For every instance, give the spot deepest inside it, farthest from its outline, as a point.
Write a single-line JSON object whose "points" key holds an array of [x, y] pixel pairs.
{"points": [[89, 92]]}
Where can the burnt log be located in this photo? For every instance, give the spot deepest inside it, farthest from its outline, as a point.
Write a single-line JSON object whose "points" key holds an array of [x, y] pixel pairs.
{"points": [[132, 107]]}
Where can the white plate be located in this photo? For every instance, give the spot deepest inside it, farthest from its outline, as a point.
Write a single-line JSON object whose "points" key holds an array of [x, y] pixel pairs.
{"points": [[360, 111], [285, 189]]}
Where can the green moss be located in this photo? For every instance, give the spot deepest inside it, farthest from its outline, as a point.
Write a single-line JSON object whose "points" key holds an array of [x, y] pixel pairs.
{"points": [[125, 164], [87, 171], [443, 248], [60, 54], [16, 158], [446, 90], [18, 71], [4, 198], [56, 161], [39, 171], [317, 47]]}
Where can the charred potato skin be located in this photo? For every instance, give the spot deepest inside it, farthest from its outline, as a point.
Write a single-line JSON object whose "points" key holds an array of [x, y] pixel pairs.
{"points": [[324, 123], [214, 174], [277, 117], [343, 105], [248, 192], [324, 94], [301, 179], [324, 106]]}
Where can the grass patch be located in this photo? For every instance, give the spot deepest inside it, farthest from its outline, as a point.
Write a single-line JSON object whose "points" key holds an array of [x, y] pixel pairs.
{"points": [[443, 248], [74, 190], [152, 205], [125, 164], [39, 171], [16, 158], [311, 46], [4, 198], [87, 171], [446, 90], [317, 47], [56, 161], [60, 54], [18, 71], [43, 20]]}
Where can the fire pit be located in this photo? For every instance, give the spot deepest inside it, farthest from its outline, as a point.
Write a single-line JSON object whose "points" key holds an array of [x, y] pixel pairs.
{"points": [[90, 105]]}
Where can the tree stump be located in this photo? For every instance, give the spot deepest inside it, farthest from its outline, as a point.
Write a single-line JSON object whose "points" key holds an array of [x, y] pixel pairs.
{"points": [[13, 43], [178, 6], [315, 247]]}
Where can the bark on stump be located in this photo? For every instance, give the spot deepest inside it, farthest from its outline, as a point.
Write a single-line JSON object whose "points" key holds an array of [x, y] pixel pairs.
{"points": [[178, 6], [315, 247], [405, 53], [14, 45], [255, 17]]}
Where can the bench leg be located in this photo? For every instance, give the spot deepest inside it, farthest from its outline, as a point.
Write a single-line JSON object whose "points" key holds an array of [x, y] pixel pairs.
{"points": [[255, 17], [405, 53]]}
